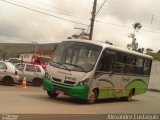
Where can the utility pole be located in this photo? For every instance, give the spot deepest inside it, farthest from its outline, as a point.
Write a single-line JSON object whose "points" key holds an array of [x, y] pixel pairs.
{"points": [[35, 50], [83, 29], [82, 35], [93, 19]]}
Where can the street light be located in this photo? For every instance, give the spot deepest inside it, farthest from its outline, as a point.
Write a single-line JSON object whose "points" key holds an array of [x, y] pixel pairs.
{"points": [[35, 50]]}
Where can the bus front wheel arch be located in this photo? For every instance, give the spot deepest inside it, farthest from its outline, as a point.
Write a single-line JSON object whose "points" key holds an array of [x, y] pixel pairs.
{"points": [[92, 96]]}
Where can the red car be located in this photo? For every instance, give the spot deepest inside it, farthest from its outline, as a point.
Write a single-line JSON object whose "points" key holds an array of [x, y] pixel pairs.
{"points": [[39, 60]]}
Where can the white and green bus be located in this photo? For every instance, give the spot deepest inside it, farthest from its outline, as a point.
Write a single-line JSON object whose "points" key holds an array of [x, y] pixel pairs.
{"points": [[91, 70]]}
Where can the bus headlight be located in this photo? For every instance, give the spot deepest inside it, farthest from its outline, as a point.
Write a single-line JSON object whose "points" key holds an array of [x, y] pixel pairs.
{"points": [[84, 82]]}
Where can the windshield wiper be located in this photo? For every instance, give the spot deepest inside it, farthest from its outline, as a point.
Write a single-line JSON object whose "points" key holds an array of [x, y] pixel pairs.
{"points": [[76, 66], [60, 64]]}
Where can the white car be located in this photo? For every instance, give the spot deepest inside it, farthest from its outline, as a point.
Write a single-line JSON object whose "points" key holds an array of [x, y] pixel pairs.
{"points": [[14, 60], [8, 73], [32, 72]]}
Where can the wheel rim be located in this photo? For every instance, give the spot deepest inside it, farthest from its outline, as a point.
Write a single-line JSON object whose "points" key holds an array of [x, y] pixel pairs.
{"points": [[92, 97], [8, 82]]}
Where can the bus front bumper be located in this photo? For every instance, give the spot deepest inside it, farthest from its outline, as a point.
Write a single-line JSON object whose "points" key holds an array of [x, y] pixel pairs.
{"points": [[80, 92]]}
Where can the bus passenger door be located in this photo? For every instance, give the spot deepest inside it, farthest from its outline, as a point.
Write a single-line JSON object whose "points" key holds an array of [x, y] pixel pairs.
{"points": [[103, 79]]}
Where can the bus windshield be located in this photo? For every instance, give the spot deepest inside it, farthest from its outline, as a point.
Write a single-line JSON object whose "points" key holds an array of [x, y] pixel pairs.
{"points": [[75, 56]]}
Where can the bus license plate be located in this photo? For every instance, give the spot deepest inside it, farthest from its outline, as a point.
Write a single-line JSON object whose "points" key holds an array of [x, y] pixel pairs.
{"points": [[59, 92]]}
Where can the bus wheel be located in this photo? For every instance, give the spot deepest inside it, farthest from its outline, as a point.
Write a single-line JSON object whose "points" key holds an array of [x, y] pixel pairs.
{"points": [[129, 98], [52, 94], [92, 97], [37, 82]]}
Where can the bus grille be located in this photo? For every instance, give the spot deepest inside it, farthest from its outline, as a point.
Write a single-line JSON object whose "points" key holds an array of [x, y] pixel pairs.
{"points": [[56, 79], [56, 87], [69, 82]]}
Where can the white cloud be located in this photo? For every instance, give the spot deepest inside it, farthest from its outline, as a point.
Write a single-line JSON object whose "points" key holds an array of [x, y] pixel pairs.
{"points": [[20, 24]]}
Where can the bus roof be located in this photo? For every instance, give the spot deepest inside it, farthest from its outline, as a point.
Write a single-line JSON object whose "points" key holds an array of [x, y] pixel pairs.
{"points": [[104, 45]]}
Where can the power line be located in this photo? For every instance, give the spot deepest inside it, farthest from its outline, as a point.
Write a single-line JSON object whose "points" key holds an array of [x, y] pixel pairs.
{"points": [[149, 19], [133, 11], [72, 20], [125, 26], [44, 13], [130, 11], [101, 7], [78, 5], [137, 12], [46, 4], [48, 10]]}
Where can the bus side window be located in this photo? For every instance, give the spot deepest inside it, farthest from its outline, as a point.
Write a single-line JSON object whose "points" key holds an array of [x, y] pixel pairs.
{"points": [[130, 67], [147, 67], [106, 62], [139, 66], [119, 65]]}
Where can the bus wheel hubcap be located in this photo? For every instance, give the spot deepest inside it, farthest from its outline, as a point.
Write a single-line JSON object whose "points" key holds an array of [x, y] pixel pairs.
{"points": [[91, 97]]}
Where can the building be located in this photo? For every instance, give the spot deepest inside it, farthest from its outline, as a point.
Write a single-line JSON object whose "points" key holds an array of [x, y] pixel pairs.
{"points": [[27, 56]]}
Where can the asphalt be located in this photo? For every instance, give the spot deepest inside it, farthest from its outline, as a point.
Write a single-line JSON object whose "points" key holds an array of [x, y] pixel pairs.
{"points": [[34, 100]]}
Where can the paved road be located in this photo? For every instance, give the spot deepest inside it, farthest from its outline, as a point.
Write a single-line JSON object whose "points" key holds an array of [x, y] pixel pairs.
{"points": [[34, 100]]}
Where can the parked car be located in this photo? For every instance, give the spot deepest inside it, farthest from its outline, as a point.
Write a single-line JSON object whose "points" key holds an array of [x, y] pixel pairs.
{"points": [[8, 73], [32, 72], [14, 60]]}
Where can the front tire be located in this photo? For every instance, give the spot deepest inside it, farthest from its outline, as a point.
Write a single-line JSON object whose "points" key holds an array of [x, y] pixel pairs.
{"points": [[129, 97], [37, 82], [92, 97], [52, 94], [8, 81]]}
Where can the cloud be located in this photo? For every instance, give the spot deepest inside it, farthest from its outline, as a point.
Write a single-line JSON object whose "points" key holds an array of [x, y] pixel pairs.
{"points": [[20, 24]]}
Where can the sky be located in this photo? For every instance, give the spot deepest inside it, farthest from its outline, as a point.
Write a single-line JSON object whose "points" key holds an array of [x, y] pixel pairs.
{"points": [[113, 22]]}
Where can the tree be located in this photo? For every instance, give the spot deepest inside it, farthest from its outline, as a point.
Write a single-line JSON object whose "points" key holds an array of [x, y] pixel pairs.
{"points": [[148, 51], [82, 35], [156, 56], [158, 51], [134, 45], [140, 50], [137, 26]]}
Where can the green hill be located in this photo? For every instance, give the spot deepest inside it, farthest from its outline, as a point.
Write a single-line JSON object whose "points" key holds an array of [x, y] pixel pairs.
{"points": [[13, 49]]}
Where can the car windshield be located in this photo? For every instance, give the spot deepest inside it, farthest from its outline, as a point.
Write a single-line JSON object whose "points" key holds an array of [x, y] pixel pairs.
{"points": [[20, 66], [75, 56], [45, 60]]}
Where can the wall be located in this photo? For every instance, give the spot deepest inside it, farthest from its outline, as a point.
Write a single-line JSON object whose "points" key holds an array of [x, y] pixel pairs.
{"points": [[154, 82]]}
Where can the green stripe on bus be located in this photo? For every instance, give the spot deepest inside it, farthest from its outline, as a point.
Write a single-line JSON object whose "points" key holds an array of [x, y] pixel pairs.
{"points": [[108, 92]]}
